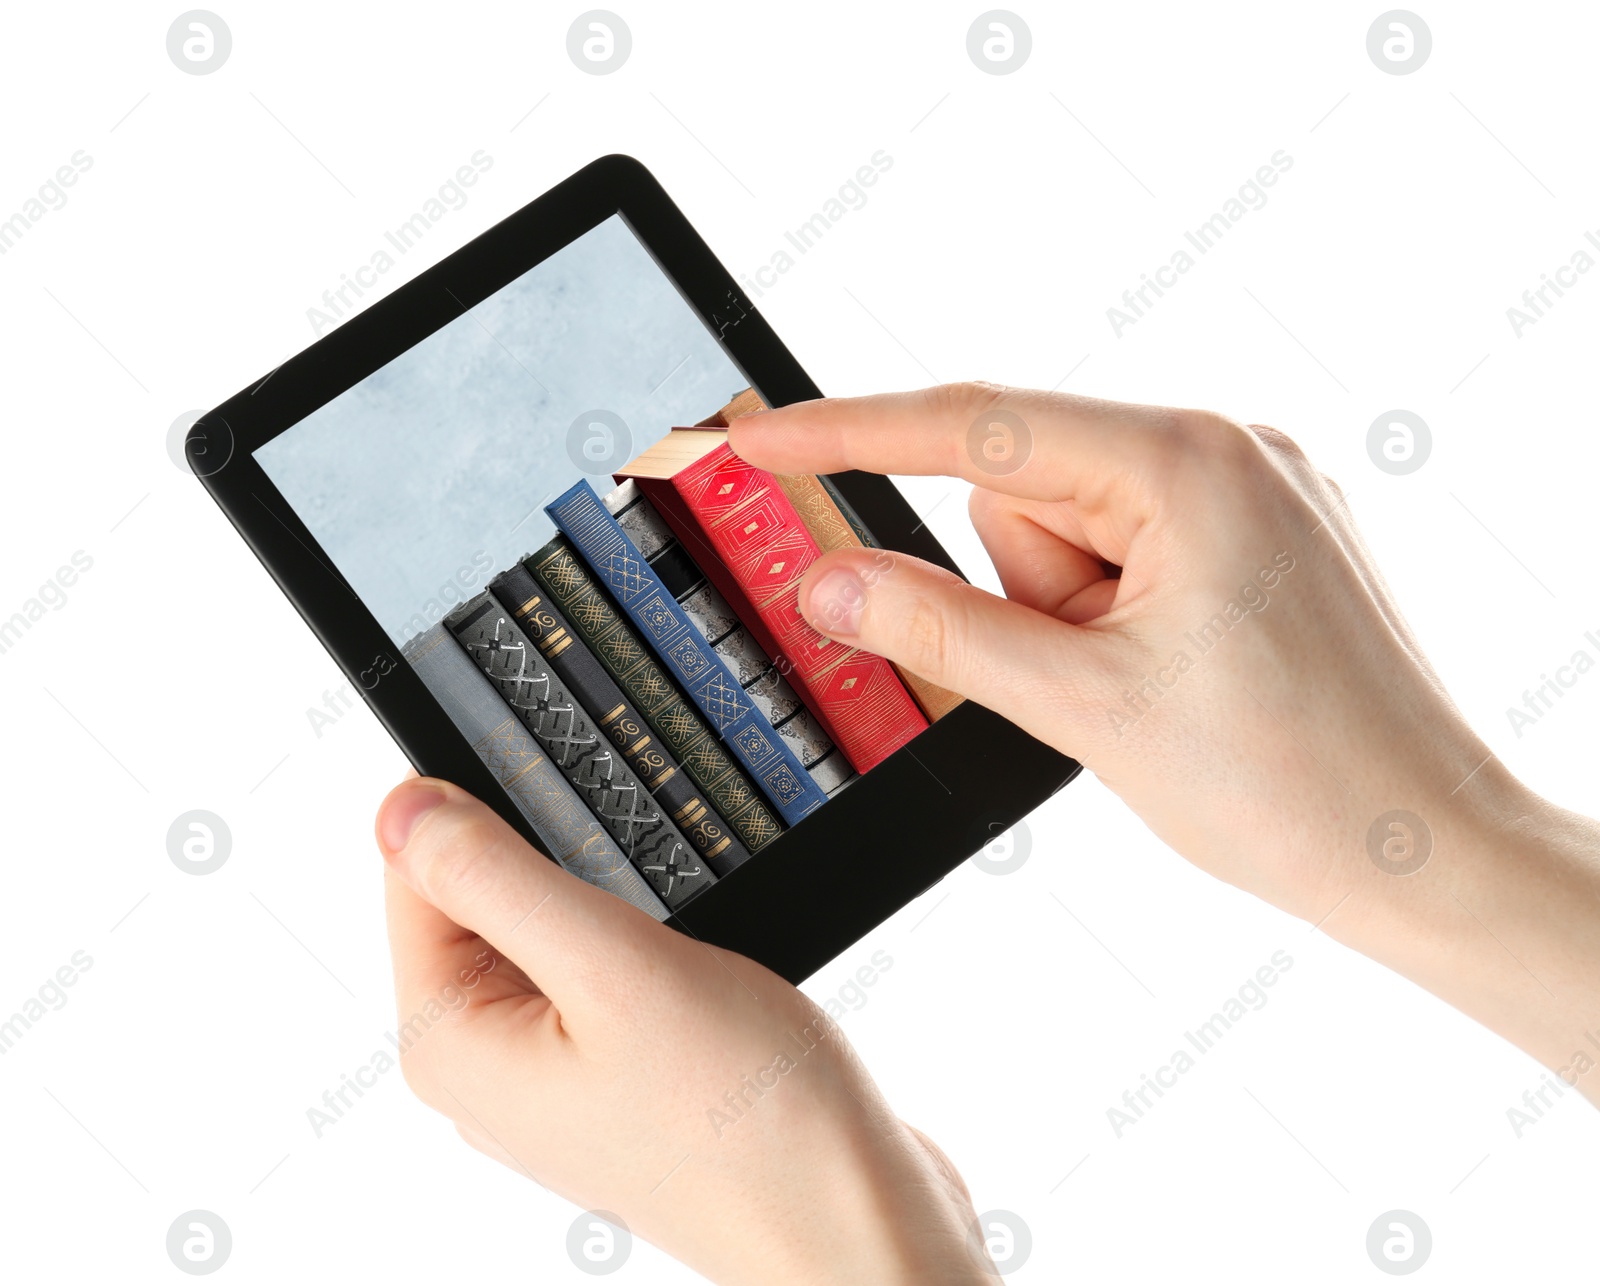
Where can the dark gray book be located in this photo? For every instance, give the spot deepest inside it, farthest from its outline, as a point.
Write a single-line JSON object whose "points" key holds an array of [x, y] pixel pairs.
{"points": [[562, 821], [571, 737], [630, 735], [667, 708]]}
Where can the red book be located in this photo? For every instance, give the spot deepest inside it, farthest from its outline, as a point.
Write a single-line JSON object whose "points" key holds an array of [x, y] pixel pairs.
{"points": [[763, 547], [664, 498]]}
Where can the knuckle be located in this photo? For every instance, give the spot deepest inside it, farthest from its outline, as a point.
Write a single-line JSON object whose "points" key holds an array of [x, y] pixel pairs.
{"points": [[461, 857], [1278, 442], [1288, 459], [1217, 439], [930, 636], [1212, 431], [1176, 441], [962, 399], [1176, 422]]}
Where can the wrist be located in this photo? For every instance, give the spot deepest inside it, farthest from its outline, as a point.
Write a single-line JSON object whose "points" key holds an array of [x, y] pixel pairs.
{"points": [[852, 1195], [1502, 919], [908, 1213], [896, 1211]]}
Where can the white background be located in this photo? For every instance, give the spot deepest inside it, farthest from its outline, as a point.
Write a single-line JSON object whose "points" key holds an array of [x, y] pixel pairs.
{"points": [[176, 676]]}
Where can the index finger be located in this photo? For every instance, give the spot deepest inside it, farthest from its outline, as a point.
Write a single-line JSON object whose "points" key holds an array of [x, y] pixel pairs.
{"points": [[1038, 446]]}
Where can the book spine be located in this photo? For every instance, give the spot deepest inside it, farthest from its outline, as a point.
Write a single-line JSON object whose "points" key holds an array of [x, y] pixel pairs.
{"points": [[615, 715], [619, 565], [831, 526], [764, 543], [563, 823], [563, 576], [568, 734], [848, 513], [757, 672]]}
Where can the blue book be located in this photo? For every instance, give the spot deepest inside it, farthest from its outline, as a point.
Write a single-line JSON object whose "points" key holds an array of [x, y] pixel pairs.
{"points": [[616, 560]]}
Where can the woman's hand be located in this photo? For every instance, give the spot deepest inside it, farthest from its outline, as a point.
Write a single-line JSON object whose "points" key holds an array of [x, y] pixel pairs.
{"points": [[1191, 613], [629, 1068], [1188, 612]]}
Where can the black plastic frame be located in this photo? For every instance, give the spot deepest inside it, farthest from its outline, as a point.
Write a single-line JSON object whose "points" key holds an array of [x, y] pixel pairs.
{"points": [[820, 886]]}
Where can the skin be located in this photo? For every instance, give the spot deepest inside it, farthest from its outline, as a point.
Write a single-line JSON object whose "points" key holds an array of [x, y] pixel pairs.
{"points": [[595, 1042], [1265, 751]]}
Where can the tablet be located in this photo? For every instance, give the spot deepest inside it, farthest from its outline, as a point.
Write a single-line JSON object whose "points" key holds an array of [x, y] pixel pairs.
{"points": [[390, 472]]}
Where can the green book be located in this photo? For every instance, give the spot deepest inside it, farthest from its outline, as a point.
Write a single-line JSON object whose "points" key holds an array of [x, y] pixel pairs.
{"points": [[684, 733]]}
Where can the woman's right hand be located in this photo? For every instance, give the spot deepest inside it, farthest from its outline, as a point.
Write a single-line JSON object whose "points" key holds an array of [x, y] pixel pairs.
{"points": [[1191, 612]]}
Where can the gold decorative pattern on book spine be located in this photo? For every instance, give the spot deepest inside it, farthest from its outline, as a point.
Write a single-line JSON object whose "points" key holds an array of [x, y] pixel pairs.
{"points": [[682, 730]]}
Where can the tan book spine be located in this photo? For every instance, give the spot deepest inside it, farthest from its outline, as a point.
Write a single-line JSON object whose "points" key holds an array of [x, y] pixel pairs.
{"points": [[830, 530], [742, 404]]}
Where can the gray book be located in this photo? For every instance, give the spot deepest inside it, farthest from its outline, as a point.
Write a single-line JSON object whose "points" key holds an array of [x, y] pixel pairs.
{"points": [[576, 745], [563, 823]]}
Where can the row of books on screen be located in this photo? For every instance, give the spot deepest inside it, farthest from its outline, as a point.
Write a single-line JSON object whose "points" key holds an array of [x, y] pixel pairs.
{"points": [[644, 686]]}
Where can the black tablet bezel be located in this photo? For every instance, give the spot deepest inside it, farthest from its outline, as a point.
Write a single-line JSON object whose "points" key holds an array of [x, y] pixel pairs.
{"points": [[823, 884]]}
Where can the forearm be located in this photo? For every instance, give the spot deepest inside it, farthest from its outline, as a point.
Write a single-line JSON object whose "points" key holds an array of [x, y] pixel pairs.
{"points": [[1503, 922]]}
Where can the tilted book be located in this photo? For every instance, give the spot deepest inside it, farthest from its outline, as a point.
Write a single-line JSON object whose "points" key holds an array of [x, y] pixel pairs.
{"points": [[568, 734], [749, 401], [633, 585], [833, 524], [630, 735], [563, 823], [757, 672], [685, 734], [761, 540]]}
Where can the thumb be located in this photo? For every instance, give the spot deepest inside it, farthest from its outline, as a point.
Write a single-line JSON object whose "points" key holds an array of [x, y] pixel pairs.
{"points": [[1031, 668], [457, 855]]}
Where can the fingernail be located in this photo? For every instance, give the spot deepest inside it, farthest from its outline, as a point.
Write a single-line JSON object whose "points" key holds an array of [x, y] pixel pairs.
{"points": [[834, 603], [401, 813]]}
